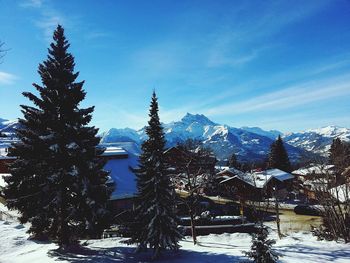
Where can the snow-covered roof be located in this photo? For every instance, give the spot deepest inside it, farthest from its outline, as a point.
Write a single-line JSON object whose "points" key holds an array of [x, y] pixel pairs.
{"points": [[122, 175], [2, 181], [341, 192], [346, 172], [221, 167], [279, 174], [113, 151], [261, 178], [232, 171], [316, 169], [3, 154], [244, 179]]}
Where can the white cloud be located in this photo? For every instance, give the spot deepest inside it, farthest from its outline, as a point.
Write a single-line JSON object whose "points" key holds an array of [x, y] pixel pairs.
{"points": [[48, 18], [7, 78], [32, 3], [48, 22], [287, 98], [228, 45]]}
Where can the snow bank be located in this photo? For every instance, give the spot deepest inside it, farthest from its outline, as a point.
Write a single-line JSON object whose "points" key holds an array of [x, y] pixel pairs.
{"points": [[297, 247]]}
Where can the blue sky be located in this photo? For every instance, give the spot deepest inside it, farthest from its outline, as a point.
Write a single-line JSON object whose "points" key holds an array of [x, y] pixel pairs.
{"points": [[274, 64]]}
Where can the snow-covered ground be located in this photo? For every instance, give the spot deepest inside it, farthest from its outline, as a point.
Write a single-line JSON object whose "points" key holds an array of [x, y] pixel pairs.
{"points": [[296, 247]]}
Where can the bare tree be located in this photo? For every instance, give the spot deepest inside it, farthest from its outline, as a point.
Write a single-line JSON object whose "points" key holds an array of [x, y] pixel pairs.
{"points": [[193, 173], [334, 197]]}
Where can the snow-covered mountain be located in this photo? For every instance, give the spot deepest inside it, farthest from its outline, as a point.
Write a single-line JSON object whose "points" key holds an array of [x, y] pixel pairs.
{"points": [[273, 134], [121, 135], [222, 139], [8, 127], [249, 143], [317, 140]]}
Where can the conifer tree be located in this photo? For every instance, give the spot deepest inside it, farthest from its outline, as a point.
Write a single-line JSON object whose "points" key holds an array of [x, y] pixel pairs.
{"points": [[261, 249], [278, 156], [233, 162], [339, 154], [57, 180], [156, 196]]}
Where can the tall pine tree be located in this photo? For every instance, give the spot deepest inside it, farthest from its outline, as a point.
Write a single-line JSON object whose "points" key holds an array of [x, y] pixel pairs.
{"points": [[57, 181], [278, 156], [156, 196]]}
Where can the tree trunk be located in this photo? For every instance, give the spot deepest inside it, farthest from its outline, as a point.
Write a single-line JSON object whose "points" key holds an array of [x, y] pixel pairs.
{"points": [[278, 218], [193, 228], [241, 201]]}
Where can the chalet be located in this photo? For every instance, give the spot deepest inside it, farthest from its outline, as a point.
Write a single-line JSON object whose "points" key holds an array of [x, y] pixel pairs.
{"points": [[182, 162], [238, 188], [313, 172], [5, 160], [228, 172], [120, 165], [256, 185], [278, 183], [178, 158], [309, 179], [341, 193]]}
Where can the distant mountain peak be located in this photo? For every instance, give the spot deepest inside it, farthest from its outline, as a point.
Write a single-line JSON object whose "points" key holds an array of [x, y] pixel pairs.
{"points": [[318, 140], [199, 118], [272, 134], [330, 131]]}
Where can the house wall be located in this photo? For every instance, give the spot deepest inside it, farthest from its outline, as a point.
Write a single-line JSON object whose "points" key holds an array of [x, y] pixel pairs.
{"points": [[119, 205], [4, 163]]}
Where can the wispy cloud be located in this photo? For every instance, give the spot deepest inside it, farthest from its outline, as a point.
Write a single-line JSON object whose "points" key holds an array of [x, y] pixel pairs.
{"points": [[97, 35], [7, 78], [288, 98], [220, 58], [293, 122], [229, 44], [48, 23], [32, 3], [48, 17]]}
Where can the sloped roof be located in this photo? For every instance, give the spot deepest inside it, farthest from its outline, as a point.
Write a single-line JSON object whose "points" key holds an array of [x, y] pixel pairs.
{"points": [[239, 178], [260, 179], [341, 192], [121, 173], [232, 171], [279, 174], [316, 169], [2, 181], [114, 151]]}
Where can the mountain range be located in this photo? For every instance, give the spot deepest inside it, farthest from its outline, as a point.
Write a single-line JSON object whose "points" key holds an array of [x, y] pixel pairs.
{"points": [[248, 143]]}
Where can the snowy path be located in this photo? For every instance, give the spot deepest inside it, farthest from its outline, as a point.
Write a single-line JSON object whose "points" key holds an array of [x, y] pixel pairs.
{"points": [[297, 247]]}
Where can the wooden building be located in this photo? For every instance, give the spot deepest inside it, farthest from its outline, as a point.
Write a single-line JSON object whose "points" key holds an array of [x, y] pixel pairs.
{"points": [[120, 165], [5, 160], [256, 186]]}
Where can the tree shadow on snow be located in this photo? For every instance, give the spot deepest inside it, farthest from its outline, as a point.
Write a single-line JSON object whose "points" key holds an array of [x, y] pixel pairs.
{"points": [[213, 244], [317, 253], [128, 255]]}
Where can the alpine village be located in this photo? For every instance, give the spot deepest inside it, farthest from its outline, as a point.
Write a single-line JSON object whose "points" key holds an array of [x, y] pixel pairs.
{"points": [[191, 190]]}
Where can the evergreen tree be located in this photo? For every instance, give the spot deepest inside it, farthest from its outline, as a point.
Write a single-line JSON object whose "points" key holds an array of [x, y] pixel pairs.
{"points": [[261, 249], [57, 180], [339, 154], [233, 162], [278, 156], [155, 210]]}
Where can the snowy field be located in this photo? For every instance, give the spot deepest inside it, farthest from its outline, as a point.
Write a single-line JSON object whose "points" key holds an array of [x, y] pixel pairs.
{"points": [[296, 247]]}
